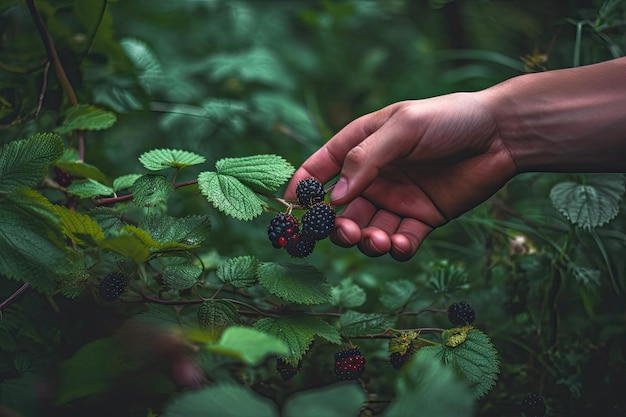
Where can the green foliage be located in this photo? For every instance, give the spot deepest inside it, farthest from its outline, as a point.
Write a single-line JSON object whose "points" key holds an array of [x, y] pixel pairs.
{"points": [[341, 400], [158, 159], [240, 271], [297, 283], [348, 294], [216, 315], [230, 196], [247, 344], [86, 117]]}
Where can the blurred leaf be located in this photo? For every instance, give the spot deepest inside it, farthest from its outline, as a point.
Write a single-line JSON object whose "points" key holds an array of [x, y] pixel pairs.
{"points": [[247, 344], [592, 204], [297, 283], [158, 159], [354, 323], [348, 294], [146, 64], [89, 188], [230, 196], [215, 315], [239, 271], [397, 293], [23, 163], [264, 172], [86, 117], [339, 400]]}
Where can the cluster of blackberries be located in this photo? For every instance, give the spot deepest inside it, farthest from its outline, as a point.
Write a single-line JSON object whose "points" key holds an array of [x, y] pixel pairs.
{"points": [[112, 286], [299, 238], [461, 313]]}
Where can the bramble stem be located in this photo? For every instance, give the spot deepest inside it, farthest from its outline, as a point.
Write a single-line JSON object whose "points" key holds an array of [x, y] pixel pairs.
{"points": [[14, 296]]}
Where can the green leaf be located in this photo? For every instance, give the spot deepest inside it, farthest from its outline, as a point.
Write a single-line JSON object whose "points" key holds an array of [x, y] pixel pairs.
{"points": [[592, 204], [239, 271], [338, 400], [86, 117], [297, 332], [190, 231], [146, 64], [125, 181], [158, 159], [264, 172], [89, 188], [230, 196], [220, 400], [151, 190], [297, 283], [216, 315], [181, 277], [427, 386], [130, 245], [247, 344], [82, 170], [354, 323], [23, 163], [80, 228], [397, 293], [348, 294]]}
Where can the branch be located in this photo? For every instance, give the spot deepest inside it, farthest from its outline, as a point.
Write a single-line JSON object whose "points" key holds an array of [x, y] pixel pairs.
{"points": [[14, 296]]}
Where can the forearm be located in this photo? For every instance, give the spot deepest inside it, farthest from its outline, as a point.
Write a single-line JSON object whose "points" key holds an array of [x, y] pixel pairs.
{"points": [[571, 120]]}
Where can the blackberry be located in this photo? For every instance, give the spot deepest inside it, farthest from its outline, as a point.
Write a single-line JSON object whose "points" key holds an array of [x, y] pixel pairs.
{"points": [[112, 286], [397, 359], [534, 406], [286, 370], [349, 364], [461, 313], [282, 227], [318, 221], [62, 177], [309, 192], [300, 246]]}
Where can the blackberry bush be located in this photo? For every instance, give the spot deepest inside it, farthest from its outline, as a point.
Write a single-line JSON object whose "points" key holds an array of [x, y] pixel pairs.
{"points": [[310, 192], [112, 286], [461, 313]]}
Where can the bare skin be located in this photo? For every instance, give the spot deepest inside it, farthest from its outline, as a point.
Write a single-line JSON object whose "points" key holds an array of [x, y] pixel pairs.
{"points": [[415, 165]]}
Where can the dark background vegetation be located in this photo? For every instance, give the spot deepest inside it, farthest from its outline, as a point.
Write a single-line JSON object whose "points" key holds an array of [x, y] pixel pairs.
{"points": [[234, 78]]}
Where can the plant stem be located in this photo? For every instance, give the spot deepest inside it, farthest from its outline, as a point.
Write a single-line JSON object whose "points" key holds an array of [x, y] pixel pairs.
{"points": [[14, 296]]}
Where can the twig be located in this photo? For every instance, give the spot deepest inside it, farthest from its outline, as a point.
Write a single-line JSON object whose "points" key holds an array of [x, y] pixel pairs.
{"points": [[44, 86], [14, 296]]}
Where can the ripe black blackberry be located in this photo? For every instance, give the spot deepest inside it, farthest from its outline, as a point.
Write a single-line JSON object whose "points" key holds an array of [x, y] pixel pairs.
{"points": [[62, 177], [287, 370], [112, 286], [461, 313], [534, 406], [310, 192], [318, 221], [397, 359], [282, 228], [349, 364], [300, 246]]}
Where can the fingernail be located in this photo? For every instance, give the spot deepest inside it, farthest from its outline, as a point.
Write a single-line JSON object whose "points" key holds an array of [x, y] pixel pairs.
{"points": [[339, 190]]}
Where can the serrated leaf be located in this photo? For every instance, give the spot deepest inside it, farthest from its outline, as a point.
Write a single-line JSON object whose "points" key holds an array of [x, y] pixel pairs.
{"points": [[348, 294], [239, 271], [215, 315], [263, 172], [230, 196], [189, 231], [125, 181], [181, 277], [128, 245], [82, 170], [146, 64], [86, 117], [354, 323], [23, 163], [109, 220], [298, 332], [89, 188], [220, 400], [432, 388], [151, 190], [247, 344], [397, 293], [80, 228], [297, 283], [592, 204], [338, 400], [158, 159]]}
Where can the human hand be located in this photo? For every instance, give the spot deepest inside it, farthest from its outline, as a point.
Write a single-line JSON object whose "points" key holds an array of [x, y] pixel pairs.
{"points": [[409, 168]]}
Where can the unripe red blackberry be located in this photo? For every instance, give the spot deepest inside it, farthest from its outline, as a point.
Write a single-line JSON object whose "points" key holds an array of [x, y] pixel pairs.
{"points": [[286, 370], [349, 364], [300, 246], [310, 192], [461, 313], [318, 221], [534, 406], [282, 228], [112, 286]]}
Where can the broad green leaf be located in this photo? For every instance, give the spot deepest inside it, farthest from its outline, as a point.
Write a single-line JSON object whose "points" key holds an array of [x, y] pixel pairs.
{"points": [[86, 117], [23, 163], [297, 283], [239, 271], [147, 66], [220, 400], [125, 181], [348, 294], [247, 344], [190, 230], [80, 228], [181, 277], [216, 315], [128, 245], [354, 323], [592, 204], [32, 243], [82, 170], [298, 332], [158, 159], [264, 172], [397, 293], [427, 387], [109, 220], [230, 196], [338, 400], [151, 190], [89, 188]]}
